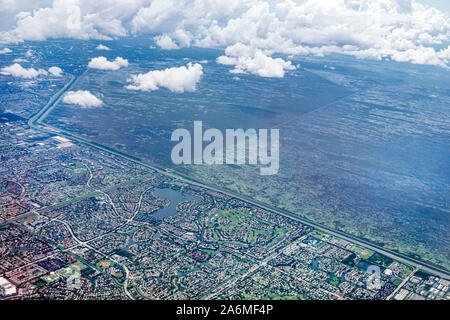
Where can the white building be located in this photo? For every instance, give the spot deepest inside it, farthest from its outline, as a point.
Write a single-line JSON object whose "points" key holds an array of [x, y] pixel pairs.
{"points": [[7, 288]]}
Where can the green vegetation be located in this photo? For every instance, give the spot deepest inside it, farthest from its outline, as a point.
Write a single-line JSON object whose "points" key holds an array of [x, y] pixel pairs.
{"points": [[363, 252], [233, 226], [406, 272], [80, 265], [79, 169], [40, 283], [334, 281], [380, 259], [208, 251], [4, 227], [286, 297]]}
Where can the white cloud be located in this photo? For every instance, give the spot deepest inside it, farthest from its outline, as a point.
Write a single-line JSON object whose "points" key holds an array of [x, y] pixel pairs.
{"points": [[82, 98], [175, 79], [56, 71], [17, 5], [103, 64], [444, 54], [166, 43], [79, 19], [245, 60], [402, 30], [16, 70], [419, 56], [102, 47], [5, 50]]}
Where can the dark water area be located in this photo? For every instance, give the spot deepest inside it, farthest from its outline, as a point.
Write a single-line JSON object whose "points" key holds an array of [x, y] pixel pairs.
{"points": [[9, 117], [175, 197]]}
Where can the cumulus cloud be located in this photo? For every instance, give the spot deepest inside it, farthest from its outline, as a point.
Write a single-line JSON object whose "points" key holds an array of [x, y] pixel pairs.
{"points": [[166, 43], [102, 47], [9, 9], [175, 79], [56, 71], [83, 98], [401, 30], [78, 19], [245, 60], [104, 64], [5, 50], [444, 54], [16, 70]]}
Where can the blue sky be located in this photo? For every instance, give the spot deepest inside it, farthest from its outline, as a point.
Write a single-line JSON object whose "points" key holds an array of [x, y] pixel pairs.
{"points": [[443, 5]]}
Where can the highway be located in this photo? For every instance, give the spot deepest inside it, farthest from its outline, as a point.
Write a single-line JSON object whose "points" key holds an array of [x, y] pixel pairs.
{"points": [[36, 123]]}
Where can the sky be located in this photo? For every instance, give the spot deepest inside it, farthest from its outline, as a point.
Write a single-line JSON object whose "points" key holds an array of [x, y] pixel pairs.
{"points": [[7, 19], [251, 32], [9, 8], [443, 5]]}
